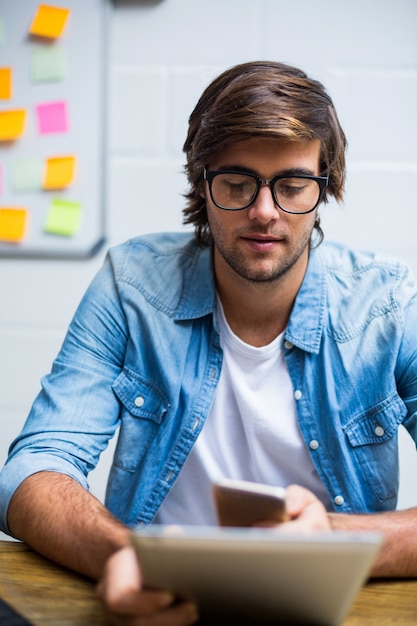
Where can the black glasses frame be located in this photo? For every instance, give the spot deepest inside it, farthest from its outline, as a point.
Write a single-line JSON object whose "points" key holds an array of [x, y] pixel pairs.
{"points": [[322, 182]]}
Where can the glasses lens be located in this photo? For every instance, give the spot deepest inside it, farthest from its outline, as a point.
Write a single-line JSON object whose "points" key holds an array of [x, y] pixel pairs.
{"points": [[297, 195], [233, 191]]}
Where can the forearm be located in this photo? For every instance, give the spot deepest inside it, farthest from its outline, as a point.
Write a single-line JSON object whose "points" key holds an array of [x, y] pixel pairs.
{"points": [[58, 518], [398, 554]]}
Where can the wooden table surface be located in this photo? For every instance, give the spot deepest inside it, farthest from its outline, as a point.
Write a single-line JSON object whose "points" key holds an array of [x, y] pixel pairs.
{"points": [[46, 594]]}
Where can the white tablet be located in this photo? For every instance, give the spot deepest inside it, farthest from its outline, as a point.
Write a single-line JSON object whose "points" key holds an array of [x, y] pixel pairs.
{"points": [[258, 575]]}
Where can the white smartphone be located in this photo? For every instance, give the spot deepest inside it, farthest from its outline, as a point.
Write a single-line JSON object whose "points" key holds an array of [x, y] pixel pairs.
{"points": [[245, 503]]}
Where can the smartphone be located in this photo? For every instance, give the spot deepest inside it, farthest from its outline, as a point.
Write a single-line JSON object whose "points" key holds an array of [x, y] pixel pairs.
{"points": [[245, 503]]}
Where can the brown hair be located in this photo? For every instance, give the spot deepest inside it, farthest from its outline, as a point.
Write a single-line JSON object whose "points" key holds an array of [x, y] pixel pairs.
{"points": [[263, 99]]}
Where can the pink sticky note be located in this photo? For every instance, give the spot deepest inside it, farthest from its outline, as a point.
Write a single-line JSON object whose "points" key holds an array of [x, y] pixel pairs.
{"points": [[52, 117]]}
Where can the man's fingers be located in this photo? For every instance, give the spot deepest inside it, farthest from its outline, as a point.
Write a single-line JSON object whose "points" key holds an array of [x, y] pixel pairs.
{"points": [[305, 509], [120, 588], [297, 498], [127, 604]]}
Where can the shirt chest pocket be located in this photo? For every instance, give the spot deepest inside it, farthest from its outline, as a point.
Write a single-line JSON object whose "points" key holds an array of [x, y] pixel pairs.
{"points": [[143, 407], [373, 438]]}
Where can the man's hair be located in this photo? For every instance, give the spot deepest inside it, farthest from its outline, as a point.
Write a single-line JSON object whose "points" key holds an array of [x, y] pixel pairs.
{"points": [[260, 99]]}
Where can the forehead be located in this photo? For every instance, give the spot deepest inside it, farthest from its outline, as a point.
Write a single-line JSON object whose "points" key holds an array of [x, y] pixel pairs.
{"points": [[267, 156]]}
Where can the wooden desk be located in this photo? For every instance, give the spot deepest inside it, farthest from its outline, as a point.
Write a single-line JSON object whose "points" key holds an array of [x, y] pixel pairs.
{"points": [[43, 592], [47, 594]]}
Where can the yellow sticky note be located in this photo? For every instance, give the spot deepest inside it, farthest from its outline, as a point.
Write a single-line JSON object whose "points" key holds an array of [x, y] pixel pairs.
{"points": [[49, 21], [59, 172], [5, 83], [12, 123], [13, 223], [63, 218]]}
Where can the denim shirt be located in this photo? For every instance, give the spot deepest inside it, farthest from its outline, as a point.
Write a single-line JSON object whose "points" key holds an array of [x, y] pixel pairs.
{"points": [[143, 353]]}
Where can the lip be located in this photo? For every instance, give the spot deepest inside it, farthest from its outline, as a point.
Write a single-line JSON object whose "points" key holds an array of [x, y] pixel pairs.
{"points": [[262, 243]]}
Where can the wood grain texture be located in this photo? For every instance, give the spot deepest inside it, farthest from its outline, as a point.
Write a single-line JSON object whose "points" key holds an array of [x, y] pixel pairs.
{"points": [[45, 593]]}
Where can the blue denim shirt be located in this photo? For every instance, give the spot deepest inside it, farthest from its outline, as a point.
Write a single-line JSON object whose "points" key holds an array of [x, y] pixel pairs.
{"points": [[143, 353]]}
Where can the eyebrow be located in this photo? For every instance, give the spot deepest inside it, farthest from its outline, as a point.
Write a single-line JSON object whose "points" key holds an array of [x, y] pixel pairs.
{"points": [[294, 171]]}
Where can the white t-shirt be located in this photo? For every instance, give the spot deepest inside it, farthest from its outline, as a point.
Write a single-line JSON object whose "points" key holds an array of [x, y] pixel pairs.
{"points": [[251, 433]]}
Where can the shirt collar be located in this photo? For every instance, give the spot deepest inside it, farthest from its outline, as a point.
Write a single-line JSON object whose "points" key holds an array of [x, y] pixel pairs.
{"points": [[305, 327], [199, 291]]}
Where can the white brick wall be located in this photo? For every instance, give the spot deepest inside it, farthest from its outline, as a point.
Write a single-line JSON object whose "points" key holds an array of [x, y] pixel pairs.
{"points": [[162, 54]]}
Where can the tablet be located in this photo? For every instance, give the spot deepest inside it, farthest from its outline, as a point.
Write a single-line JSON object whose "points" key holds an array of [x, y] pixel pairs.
{"points": [[258, 575]]}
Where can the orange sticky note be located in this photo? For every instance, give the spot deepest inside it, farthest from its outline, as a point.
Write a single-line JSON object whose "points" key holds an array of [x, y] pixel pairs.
{"points": [[13, 223], [12, 123], [59, 172], [5, 83], [49, 21]]}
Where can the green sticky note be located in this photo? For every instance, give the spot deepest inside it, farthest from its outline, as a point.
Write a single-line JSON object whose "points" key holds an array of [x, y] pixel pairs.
{"points": [[63, 218], [27, 174], [47, 63]]}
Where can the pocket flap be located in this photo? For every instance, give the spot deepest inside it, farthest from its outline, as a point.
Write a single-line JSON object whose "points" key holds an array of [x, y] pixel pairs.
{"points": [[141, 397], [377, 424]]}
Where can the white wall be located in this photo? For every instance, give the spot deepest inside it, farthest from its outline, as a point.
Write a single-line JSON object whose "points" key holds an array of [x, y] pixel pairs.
{"points": [[162, 54]]}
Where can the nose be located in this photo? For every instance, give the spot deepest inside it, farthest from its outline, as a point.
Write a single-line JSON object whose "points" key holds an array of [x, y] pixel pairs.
{"points": [[264, 208]]}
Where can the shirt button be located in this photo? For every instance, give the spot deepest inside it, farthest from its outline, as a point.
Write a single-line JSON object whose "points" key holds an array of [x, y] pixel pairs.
{"points": [[379, 431], [139, 401], [339, 500], [314, 444], [288, 345], [297, 394]]}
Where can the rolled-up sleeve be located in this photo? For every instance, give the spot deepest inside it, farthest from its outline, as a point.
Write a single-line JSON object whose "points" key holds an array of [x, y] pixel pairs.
{"points": [[76, 411]]}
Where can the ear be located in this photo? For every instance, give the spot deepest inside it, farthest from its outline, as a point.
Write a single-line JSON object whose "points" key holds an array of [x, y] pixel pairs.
{"points": [[202, 192]]}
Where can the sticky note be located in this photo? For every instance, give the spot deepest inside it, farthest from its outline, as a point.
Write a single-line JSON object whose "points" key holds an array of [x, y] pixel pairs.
{"points": [[49, 21], [59, 172], [63, 218], [12, 124], [13, 223], [27, 174], [1, 31], [1, 179], [5, 83], [52, 117], [47, 64]]}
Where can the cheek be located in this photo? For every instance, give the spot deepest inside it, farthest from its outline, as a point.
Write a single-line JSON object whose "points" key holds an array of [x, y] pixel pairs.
{"points": [[305, 228], [215, 221], [305, 222]]}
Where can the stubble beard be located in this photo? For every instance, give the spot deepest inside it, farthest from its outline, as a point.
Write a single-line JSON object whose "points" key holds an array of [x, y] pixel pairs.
{"points": [[248, 270]]}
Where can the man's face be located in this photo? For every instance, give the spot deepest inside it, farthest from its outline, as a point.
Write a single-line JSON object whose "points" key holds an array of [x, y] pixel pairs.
{"points": [[262, 243]]}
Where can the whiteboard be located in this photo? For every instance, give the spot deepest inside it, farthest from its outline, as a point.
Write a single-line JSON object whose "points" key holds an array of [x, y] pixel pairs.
{"points": [[63, 77]]}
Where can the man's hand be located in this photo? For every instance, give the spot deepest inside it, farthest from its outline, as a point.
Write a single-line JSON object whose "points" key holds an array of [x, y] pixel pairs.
{"points": [[305, 510], [127, 604]]}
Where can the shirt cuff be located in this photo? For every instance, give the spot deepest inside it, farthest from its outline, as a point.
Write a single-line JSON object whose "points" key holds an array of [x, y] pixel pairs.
{"points": [[24, 465]]}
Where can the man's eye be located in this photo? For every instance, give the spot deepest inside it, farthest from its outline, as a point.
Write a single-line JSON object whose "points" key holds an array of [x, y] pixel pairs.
{"points": [[235, 187], [291, 189]]}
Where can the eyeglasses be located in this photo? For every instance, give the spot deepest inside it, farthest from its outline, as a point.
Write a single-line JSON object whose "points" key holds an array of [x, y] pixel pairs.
{"points": [[234, 191]]}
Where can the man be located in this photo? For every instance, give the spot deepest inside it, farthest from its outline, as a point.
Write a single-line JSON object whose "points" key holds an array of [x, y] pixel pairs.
{"points": [[298, 359]]}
